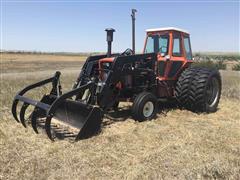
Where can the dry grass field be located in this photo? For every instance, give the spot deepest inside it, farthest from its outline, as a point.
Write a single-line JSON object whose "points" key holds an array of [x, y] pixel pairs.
{"points": [[178, 144], [32, 62]]}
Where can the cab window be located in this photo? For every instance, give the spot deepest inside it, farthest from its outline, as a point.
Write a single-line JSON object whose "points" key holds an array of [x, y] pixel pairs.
{"points": [[163, 44], [187, 48], [177, 45], [150, 44], [157, 44]]}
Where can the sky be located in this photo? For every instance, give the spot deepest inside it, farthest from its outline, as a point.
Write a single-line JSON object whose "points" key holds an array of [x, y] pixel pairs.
{"points": [[74, 26]]}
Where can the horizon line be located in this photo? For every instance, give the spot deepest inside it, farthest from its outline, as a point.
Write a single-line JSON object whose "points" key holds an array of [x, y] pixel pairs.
{"points": [[95, 52]]}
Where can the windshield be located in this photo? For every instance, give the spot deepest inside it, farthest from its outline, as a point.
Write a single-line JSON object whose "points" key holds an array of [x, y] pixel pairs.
{"points": [[157, 44]]}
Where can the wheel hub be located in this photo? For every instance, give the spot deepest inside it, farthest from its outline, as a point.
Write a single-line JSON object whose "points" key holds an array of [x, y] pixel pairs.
{"points": [[212, 92], [148, 109]]}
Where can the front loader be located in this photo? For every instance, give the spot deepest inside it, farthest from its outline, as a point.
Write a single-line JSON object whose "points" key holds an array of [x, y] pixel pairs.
{"points": [[162, 71]]}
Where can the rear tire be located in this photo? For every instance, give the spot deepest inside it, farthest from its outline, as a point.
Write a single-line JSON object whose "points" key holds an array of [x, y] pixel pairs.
{"points": [[199, 89], [183, 87], [144, 107]]}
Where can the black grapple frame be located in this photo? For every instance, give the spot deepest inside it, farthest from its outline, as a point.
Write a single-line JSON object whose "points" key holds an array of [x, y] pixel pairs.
{"points": [[84, 106]]}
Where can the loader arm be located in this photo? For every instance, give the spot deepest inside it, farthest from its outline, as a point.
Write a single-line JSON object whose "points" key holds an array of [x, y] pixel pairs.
{"points": [[123, 66], [87, 69]]}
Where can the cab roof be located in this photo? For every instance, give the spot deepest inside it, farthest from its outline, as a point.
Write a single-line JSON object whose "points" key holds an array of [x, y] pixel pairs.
{"points": [[167, 29]]}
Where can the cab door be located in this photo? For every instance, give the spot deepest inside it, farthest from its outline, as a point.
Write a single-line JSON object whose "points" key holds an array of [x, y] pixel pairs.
{"points": [[177, 56], [163, 51]]}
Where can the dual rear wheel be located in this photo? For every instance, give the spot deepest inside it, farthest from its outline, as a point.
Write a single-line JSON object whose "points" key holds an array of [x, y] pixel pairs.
{"points": [[199, 89]]}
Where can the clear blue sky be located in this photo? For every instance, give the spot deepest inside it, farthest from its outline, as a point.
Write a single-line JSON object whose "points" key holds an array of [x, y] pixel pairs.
{"points": [[79, 26]]}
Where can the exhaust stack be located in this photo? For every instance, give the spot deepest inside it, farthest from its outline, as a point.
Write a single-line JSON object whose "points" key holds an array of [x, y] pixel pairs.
{"points": [[133, 29], [109, 40]]}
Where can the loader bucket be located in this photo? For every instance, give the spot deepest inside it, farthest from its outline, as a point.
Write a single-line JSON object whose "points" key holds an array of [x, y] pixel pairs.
{"points": [[86, 118], [57, 108]]}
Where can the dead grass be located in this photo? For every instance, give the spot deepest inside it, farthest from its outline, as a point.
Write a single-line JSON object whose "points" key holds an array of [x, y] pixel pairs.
{"points": [[231, 84], [178, 144], [14, 57], [38, 62]]}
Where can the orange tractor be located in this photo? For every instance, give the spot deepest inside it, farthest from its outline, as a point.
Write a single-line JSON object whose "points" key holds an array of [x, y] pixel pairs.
{"points": [[162, 71]]}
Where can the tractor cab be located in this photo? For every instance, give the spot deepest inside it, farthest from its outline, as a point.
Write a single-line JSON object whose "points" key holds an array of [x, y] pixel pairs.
{"points": [[173, 49]]}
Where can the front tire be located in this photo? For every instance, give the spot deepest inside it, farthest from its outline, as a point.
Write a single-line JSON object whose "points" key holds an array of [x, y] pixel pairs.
{"points": [[144, 107]]}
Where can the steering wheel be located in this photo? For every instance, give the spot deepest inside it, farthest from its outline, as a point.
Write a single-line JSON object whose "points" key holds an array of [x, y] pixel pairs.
{"points": [[161, 48], [127, 52]]}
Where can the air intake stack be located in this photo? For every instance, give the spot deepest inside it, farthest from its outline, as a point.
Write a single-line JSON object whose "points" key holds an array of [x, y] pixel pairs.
{"points": [[133, 29], [109, 40]]}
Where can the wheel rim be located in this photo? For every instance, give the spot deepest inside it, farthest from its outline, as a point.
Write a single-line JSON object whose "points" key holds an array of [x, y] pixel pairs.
{"points": [[148, 109], [212, 92]]}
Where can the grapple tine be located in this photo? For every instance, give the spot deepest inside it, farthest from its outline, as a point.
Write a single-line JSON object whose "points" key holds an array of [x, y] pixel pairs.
{"points": [[22, 114], [14, 110], [48, 127], [68, 112], [34, 120]]}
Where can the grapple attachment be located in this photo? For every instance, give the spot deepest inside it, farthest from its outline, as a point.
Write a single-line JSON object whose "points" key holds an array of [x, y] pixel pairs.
{"points": [[57, 108]]}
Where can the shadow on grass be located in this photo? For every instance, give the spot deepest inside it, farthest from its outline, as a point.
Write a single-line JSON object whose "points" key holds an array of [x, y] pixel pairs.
{"points": [[62, 132], [124, 113]]}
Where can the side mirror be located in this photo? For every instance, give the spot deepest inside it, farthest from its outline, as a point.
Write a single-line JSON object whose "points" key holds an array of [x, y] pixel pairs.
{"points": [[162, 54], [167, 57]]}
